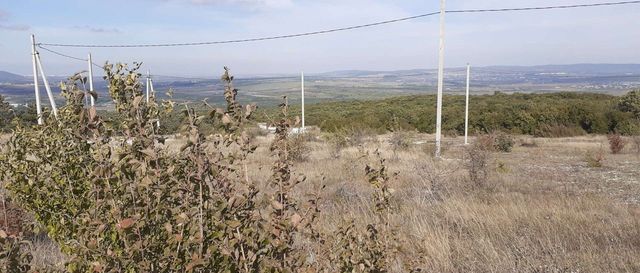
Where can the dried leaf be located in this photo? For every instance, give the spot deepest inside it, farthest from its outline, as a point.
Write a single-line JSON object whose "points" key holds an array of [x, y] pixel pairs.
{"points": [[126, 223]]}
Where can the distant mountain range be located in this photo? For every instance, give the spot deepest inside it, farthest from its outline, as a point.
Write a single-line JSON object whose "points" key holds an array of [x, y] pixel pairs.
{"points": [[573, 69], [577, 69], [8, 77], [363, 84]]}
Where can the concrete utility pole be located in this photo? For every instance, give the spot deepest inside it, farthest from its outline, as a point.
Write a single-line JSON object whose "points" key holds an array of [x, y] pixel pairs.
{"points": [[35, 79], [93, 102], [52, 101], [466, 108], [148, 85], [302, 81], [440, 80]]}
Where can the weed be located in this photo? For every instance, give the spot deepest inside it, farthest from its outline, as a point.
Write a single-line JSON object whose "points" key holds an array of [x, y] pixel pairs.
{"points": [[595, 159], [477, 163], [299, 150], [616, 143]]}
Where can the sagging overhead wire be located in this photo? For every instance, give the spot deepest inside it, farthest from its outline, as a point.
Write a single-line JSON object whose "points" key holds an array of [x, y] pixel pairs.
{"points": [[67, 56], [339, 29], [41, 45]]}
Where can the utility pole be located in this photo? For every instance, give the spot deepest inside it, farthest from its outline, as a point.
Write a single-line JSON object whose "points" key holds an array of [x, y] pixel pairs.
{"points": [[153, 92], [52, 101], [36, 88], [440, 81], [466, 108], [148, 85], [302, 81], [93, 102]]}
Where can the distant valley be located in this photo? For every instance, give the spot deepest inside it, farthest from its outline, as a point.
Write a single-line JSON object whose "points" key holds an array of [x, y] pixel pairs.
{"points": [[361, 85]]}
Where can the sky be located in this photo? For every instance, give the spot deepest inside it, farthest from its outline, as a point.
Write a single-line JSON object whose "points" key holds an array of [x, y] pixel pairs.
{"points": [[585, 35]]}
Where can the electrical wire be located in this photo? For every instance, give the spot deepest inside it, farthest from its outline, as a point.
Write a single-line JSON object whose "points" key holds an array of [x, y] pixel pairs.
{"points": [[545, 7], [250, 39], [339, 29], [67, 56]]}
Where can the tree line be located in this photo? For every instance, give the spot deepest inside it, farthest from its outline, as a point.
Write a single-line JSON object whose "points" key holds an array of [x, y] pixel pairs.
{"points": [[549, 114]]}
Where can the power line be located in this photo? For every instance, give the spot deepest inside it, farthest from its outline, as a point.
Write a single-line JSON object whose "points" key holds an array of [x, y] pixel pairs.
{"points": [[252, 39], [67, 56], [342, 29], [546, 7]]}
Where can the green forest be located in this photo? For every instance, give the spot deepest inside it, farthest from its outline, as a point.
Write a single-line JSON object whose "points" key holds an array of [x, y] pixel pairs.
{"points": [[551, 114], [545, 115]]}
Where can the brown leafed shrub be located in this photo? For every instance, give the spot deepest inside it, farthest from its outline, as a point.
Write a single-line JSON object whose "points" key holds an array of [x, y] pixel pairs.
{"points": [[115, 201], [497, 141], [485, 142], [616, 143], [477, 163]]}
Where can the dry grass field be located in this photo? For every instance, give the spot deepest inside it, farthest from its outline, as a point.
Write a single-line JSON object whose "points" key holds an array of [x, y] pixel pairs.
{"points": [[542, 208]]}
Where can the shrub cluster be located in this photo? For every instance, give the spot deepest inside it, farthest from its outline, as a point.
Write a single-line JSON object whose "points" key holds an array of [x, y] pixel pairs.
{"points": [[115, 200], [616, 143], [547, 115]]}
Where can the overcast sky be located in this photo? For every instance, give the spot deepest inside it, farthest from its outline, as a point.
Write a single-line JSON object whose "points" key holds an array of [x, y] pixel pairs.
{"points": [[586, 35]]}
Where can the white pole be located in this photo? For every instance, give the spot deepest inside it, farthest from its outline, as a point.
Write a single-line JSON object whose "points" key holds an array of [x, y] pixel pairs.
{"points": [[36, 88], [466, 109], [153, 91], [52, 100], [302, 81], [148, 84], [440, 80], [93, 102]]}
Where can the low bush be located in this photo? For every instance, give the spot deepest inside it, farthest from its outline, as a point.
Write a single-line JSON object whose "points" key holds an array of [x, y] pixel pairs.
{"points": [[400, 141], [503, 142], [298, 148], [616, 143], [477, 163], [496, 141], [595, 159]]}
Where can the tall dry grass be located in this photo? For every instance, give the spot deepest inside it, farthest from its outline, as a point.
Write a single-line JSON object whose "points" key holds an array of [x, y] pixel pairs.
{"points": [[549, 213], [517, 222]]}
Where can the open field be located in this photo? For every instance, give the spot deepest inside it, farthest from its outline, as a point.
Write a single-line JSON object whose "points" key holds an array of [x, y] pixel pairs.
{"points": [[542, 208]]}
